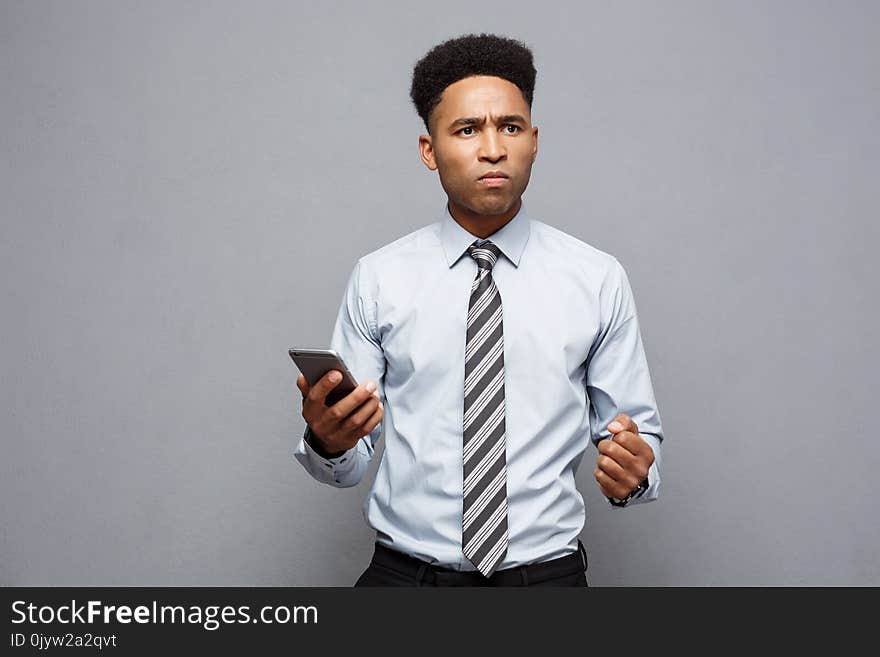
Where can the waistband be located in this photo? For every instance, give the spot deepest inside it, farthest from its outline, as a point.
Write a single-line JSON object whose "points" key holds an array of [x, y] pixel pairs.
{"points": [[423, 572]]}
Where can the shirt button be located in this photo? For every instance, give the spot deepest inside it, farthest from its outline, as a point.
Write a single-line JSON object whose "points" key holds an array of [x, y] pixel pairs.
{"points": [[342, 460], [329, 465]]}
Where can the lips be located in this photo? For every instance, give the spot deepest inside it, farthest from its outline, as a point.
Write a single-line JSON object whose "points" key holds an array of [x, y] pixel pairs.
{"points": [[494, 178], [495, 174]]}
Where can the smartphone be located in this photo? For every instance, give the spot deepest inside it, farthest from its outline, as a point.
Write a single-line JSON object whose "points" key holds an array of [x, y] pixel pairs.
{"points": [[315, 363]]}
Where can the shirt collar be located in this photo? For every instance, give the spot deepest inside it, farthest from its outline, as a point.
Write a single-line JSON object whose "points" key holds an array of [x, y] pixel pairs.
{"points": [[510, 238]]}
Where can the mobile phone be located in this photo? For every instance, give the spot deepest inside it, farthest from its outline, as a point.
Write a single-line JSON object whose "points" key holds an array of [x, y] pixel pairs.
{"points": [[315, 363]]}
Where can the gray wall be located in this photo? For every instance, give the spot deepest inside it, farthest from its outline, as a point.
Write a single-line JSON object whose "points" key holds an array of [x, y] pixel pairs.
{"points": [[184, 188]]}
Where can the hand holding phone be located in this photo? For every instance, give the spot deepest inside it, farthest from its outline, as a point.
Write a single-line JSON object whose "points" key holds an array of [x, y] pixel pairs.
{"points": [[316, 363], [337, 420]]}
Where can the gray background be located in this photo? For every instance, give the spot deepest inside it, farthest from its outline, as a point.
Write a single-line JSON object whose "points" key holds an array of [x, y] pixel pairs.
{"points": [[185, 188]]}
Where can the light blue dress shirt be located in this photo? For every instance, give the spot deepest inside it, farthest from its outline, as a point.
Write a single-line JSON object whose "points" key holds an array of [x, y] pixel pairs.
{"points": [[573, 360]]}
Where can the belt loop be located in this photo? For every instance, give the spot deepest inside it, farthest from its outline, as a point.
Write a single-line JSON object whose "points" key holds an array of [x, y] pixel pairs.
{"points": [[525, 575], [421, 573]]}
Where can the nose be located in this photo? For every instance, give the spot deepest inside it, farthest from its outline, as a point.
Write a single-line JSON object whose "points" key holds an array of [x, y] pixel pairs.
{"points": [[491, 146]]}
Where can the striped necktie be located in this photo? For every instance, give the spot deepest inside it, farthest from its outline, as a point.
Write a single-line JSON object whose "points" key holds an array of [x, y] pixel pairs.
{"points": [[484, 510]]}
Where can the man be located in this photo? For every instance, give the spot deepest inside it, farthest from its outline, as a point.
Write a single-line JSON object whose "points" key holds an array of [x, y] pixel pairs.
{"points": [[490, 349]]}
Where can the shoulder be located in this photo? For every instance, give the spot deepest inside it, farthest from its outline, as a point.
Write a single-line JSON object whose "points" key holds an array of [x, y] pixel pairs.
{"points": [[556, 242], [403, 252], [426, 236]]}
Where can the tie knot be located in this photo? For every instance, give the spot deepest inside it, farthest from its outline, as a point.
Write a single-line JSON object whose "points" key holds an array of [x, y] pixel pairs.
{"points": [[485, 253]]}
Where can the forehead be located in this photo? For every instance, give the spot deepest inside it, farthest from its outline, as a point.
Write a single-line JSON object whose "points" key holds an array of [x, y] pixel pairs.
{"points": [[480, 95]]}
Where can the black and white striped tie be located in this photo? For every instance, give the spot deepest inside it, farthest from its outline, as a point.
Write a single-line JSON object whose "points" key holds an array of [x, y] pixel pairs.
{"points": [[484, 519]]}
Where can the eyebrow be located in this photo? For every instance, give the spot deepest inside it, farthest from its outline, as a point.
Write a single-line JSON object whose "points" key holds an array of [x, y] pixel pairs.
{"points": [[471, 120]]}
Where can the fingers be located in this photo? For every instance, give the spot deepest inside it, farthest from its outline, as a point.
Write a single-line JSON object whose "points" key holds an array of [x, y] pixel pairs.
{"points": [[357, 420], [619, 454], [341, 425], [630, 442], [625, 432], [614, 470], [609, 487], [374, 420], [618, 469], [623, 422], [325, 384], [353, 400], [614, 480], [606, 484]]}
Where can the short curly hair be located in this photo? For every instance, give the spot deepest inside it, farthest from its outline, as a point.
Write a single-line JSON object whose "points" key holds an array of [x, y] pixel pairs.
{"points": [[464, 56]]}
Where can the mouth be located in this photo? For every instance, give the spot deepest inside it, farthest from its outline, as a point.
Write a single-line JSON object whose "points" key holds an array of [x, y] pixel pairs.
{"points": [[493, 179]]}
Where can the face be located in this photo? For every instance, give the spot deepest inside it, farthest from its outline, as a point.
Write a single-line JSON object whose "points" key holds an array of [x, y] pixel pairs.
{"points": [[481, 124]]}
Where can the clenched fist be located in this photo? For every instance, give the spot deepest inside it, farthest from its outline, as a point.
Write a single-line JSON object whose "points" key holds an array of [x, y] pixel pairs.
{"points": [[623, 460], [338, 428]]}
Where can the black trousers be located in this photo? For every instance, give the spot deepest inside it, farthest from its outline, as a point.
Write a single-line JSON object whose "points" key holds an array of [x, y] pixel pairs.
{"points": [[392, 568]]}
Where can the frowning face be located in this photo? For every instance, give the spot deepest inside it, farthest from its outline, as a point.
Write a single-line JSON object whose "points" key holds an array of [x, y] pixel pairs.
{"points": [[481, 125]]}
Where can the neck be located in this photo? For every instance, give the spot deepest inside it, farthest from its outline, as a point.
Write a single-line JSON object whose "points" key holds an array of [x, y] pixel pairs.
{"points": [[482, 225]]}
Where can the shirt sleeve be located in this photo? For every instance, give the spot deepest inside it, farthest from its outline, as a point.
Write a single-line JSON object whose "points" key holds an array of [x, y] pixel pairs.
{"points": [[618, 380], [355, 339]]}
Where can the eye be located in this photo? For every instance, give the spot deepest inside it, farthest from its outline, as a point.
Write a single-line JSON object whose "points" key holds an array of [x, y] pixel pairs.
{"points": [[515, 130]]}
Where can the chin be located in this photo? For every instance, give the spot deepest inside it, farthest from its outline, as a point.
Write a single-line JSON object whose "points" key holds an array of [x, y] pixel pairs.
{"points": [[496, 207]]}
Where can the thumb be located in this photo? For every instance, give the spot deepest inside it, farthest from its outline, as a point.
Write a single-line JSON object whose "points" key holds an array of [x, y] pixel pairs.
{"points": [[619, 423], [327, 382]]}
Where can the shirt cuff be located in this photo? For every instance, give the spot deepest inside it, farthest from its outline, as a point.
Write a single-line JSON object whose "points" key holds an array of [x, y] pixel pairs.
{"points": [[334, 467]]}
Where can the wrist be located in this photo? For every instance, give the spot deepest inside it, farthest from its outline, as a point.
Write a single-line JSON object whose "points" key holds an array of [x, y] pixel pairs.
{"points": [[317, 443], [638, 491]]}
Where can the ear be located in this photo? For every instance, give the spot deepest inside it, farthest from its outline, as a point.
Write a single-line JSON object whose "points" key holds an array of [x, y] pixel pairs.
{"points": [[426, 151], [535, 145]]}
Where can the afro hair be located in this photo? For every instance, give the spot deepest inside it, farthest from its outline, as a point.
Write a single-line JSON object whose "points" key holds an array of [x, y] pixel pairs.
{"points": [[464, 56]]}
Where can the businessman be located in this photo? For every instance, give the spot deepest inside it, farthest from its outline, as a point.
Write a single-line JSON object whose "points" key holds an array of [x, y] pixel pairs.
{"points": [[491, 349]]}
